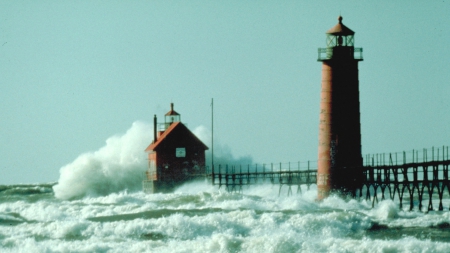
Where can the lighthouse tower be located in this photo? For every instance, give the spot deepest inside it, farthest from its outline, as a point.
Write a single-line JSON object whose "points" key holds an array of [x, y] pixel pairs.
{"points": [[339, 159]]}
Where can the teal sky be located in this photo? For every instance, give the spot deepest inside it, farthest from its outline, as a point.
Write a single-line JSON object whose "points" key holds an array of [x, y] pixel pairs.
{"points": [[73, 73]]}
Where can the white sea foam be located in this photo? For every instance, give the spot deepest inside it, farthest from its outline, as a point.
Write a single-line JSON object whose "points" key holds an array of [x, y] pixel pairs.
{"points": [[385, 210], [117, 166], [257, 221]]}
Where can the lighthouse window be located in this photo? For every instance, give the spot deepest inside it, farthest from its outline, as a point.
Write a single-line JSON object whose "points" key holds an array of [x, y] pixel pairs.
{"points": [[330, 41], [180, 152], [350, 41]]}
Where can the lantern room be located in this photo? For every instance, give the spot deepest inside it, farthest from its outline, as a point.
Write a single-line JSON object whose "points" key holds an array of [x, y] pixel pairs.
{"points": [[172, 116], [340, 44], [340, 35]]}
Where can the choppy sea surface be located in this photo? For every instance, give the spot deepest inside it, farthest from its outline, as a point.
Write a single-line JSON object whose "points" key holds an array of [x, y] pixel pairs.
{"points": [[198, 217]]}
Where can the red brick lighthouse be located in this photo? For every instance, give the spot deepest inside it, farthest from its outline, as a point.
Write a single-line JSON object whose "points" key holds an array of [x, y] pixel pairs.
{"points": [[175, 156], [339, 128]]}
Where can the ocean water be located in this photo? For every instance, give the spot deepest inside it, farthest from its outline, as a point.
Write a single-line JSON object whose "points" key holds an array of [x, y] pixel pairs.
{"points": [[97, 206], [198, 217]]}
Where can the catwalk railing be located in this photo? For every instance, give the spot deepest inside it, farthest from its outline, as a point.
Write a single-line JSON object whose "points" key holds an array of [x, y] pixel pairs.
{"points": [[418, 178], [234, 177]]}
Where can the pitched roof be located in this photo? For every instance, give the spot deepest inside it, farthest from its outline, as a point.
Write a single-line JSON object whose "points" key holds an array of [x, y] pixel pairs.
{"points": [[177, 126], [172, 111], [340, 29]]}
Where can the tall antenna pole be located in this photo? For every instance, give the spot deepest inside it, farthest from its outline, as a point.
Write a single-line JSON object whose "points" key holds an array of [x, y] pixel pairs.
{"points": [[212, 135]]}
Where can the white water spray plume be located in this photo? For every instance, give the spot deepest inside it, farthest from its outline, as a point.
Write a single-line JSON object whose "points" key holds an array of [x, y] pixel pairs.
{"points": [[121, 163], [117, 166]]}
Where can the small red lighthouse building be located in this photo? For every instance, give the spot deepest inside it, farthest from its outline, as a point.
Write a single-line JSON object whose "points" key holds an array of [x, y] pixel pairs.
{"points": [[175, 156]]}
